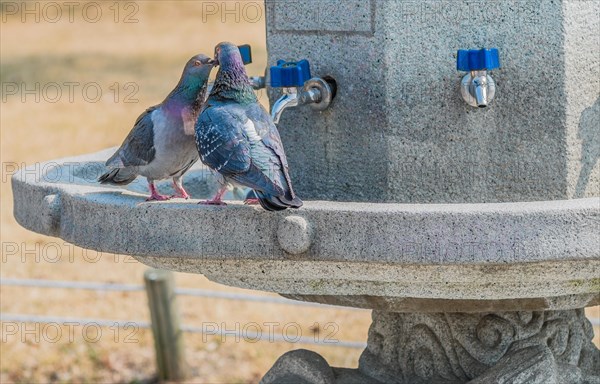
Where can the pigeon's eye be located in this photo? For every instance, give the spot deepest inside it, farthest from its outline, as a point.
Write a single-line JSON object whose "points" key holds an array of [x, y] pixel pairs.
{"points": [[197, 63]]}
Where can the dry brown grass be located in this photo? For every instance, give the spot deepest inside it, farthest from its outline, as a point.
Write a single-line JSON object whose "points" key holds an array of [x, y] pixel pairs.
{"points": [[150, 53]]}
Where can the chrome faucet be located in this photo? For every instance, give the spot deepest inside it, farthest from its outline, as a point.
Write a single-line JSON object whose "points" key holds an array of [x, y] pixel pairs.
{"points": [[299, 88], [477, 87], [288, 99]]}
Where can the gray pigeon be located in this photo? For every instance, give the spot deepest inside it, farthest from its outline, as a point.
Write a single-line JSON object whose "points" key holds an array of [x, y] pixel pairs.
{"points": [[161, 143], [236, 137]]}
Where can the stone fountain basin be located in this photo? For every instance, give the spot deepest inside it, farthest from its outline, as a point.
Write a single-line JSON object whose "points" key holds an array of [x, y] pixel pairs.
{"points": [[393, 257]]}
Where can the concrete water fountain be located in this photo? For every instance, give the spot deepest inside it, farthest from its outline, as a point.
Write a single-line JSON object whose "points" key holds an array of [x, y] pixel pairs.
{"points": [[457, 225]]}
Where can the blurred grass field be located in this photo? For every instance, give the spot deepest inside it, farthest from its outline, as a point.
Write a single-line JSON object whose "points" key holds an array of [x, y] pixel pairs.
{"points": [[149, 53]]}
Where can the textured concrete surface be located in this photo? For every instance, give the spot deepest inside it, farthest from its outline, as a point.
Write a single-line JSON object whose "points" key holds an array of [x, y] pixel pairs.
{"points": [[406, 288], [397, 257], [300, 367], [399, 131], [498, 347], [552, 347]]}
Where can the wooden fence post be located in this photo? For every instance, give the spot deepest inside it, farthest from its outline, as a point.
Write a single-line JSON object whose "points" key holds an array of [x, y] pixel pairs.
{"points": [[168, 337]]}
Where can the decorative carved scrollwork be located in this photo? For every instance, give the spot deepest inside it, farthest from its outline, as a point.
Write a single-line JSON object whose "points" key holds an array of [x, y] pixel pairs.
{"points": [[552, 347], [458, 347]]}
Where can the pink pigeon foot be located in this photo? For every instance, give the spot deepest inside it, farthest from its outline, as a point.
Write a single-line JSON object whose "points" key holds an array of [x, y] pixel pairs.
{"points": [[179, 195], [157, 197], [251, 201], [179, 192], [217, 200], [154, 195]]}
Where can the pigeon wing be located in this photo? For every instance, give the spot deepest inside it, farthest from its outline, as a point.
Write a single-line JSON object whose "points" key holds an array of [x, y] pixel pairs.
{"points": [[138, 147], [226, 146], [271, 139]]}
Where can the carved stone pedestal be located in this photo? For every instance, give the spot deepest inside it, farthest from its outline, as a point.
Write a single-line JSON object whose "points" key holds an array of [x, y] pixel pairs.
{"points": [[447, 348]]}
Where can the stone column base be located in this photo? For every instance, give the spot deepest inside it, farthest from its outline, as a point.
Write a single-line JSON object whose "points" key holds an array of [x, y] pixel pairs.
{"points": [[551, 347]]}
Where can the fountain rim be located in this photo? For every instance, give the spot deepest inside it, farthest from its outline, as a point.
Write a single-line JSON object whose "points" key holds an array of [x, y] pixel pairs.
{"points": [[300, 254]]}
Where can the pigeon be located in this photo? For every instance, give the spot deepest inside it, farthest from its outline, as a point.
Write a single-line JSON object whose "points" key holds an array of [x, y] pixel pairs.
{"points": [[237, 139], [161, 144]]}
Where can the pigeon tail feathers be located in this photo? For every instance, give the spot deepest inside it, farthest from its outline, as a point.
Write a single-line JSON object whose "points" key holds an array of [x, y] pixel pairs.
{"points": [[277, 203], [117, 176], [115, 160], [256, 179]]}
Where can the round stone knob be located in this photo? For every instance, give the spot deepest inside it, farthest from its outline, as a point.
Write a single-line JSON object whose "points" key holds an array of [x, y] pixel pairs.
{"points": [[50, 215], [294, 234]]}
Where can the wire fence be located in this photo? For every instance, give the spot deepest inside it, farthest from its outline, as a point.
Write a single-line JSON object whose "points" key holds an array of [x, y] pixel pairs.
{"points": [[103, 287], [118, 287], [164, 319], [248, 335]]}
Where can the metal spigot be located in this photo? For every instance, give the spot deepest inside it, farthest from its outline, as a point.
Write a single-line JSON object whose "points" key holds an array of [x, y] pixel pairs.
{"points": [[288, 99], [258, 82], [299, 88], [477, 87]]}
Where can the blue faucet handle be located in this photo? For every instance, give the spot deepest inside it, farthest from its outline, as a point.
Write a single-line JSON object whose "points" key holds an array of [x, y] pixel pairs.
{"points": [[290, 73], [246, 53], [477, 59]]}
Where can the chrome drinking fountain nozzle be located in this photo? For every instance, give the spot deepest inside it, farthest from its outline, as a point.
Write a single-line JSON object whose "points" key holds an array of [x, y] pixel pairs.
{"points": [[477, 87], [299, 88]]}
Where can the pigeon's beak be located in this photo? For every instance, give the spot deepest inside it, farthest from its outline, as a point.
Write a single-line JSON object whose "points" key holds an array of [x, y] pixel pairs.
{"points": [[217, 54], [213, 62]]}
